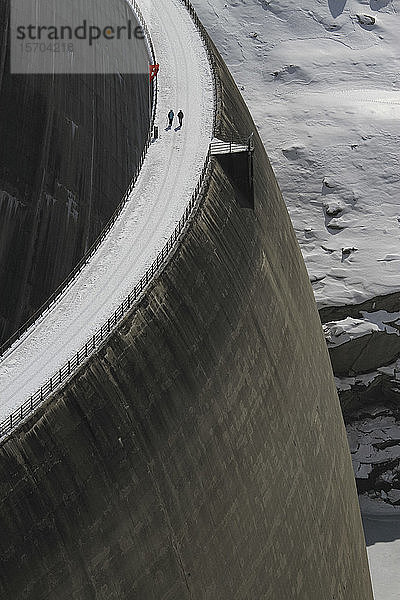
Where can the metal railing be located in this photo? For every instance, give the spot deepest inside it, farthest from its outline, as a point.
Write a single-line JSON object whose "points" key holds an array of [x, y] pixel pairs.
{"points": [[98, 241], [67, 370], [223, 147]]}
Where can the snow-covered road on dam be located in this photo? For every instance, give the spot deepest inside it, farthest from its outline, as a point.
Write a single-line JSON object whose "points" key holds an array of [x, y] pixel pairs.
{"points": [[167, 180]]}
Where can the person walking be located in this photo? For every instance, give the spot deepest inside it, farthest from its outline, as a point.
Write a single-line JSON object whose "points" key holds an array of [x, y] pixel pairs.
{"points": [[171, 115], [180, 117]]}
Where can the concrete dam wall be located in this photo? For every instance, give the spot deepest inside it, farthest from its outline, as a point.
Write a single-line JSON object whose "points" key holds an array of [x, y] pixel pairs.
{"points": [[201, 452], [69, 148]]}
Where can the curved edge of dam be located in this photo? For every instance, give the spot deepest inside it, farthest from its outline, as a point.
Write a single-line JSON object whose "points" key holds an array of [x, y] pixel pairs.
{"points": [[70, 147], [201, 452]]}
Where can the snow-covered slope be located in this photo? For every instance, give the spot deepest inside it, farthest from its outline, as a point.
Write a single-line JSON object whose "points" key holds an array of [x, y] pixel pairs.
{"points": [[168, 178], [323, 84]]}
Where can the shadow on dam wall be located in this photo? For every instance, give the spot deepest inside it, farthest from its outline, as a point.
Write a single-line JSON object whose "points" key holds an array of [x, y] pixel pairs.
{"points": [[201, 452], [69, 146]]}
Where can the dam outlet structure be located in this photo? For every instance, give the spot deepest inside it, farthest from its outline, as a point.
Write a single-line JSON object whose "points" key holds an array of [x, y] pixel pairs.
{"points": [[196, 449]]}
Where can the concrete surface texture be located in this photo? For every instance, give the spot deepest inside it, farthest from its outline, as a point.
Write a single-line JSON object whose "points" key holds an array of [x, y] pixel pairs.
{"points": [[201, 452], [69, 148]]}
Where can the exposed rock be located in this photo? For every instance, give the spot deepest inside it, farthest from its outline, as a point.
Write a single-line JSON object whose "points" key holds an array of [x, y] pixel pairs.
{"points": [[336, 224], [348, 250], [362, 345], [394, 497], [366, 19], [367, 368], [374, 440], [363, 354], [363, 471], [389, 303], [333, 209]]}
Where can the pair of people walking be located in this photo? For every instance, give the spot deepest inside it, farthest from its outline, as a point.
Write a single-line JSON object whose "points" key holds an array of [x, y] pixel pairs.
{"points": [[171, 116]]}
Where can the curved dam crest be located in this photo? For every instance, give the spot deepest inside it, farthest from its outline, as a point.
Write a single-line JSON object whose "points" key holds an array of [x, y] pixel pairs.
{"points": [[159, 200], [69, 148], [201, 452]]}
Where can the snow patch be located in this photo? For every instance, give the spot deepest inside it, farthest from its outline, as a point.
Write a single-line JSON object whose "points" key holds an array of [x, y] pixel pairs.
{"points": [[345, 330], [316, 75]]}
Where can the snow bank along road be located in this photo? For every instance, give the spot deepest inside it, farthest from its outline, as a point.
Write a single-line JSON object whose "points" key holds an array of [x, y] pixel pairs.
{"points": [[167, 180]]}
